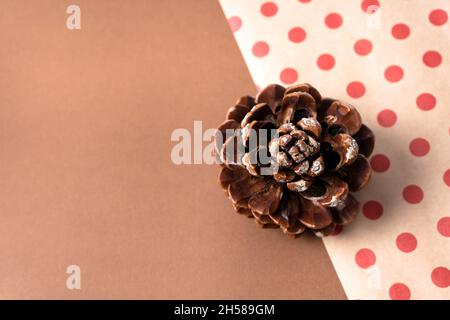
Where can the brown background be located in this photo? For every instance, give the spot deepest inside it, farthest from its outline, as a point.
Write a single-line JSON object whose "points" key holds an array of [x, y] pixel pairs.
{"points": [[85, 170]]}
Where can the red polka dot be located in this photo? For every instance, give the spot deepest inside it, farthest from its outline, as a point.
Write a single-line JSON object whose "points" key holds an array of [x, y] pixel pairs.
{"points": [[356, 89], [380, 163], [372, 210], [419, 147], [426, 101], [399, 291], [393, 73], [337, 230], [413, 194], [325, 61], [446, 177], [443, 226], [387, 118], [432, 59], [333, 20], [269, 9], [400, 31], [367, 3], [441, 277], [297, 34], [288, 75], [406, 242], [304, 1], [260, 49], [365, 258], [363, 47], [235, 23], [438, 17]]}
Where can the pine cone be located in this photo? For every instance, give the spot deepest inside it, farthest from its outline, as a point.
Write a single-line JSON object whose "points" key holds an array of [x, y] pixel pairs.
{"points": [[306, 155]]}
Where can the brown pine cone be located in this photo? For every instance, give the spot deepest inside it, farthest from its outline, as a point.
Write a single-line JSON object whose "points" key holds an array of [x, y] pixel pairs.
{"points": [[293, 159]]}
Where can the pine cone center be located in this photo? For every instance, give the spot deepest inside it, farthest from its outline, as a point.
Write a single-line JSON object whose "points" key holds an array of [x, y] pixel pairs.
{"points": [[294, 151]]}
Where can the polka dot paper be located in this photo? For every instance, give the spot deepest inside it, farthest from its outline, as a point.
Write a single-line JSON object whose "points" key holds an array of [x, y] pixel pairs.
{"points": [[390, 59]]}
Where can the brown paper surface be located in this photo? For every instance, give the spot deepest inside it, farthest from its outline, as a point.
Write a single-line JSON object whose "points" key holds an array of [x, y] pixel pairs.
{"points": [[86, 176]]}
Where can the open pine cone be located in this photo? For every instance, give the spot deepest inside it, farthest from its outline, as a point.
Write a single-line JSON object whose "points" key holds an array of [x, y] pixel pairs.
{"points": [[317, 153]]}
